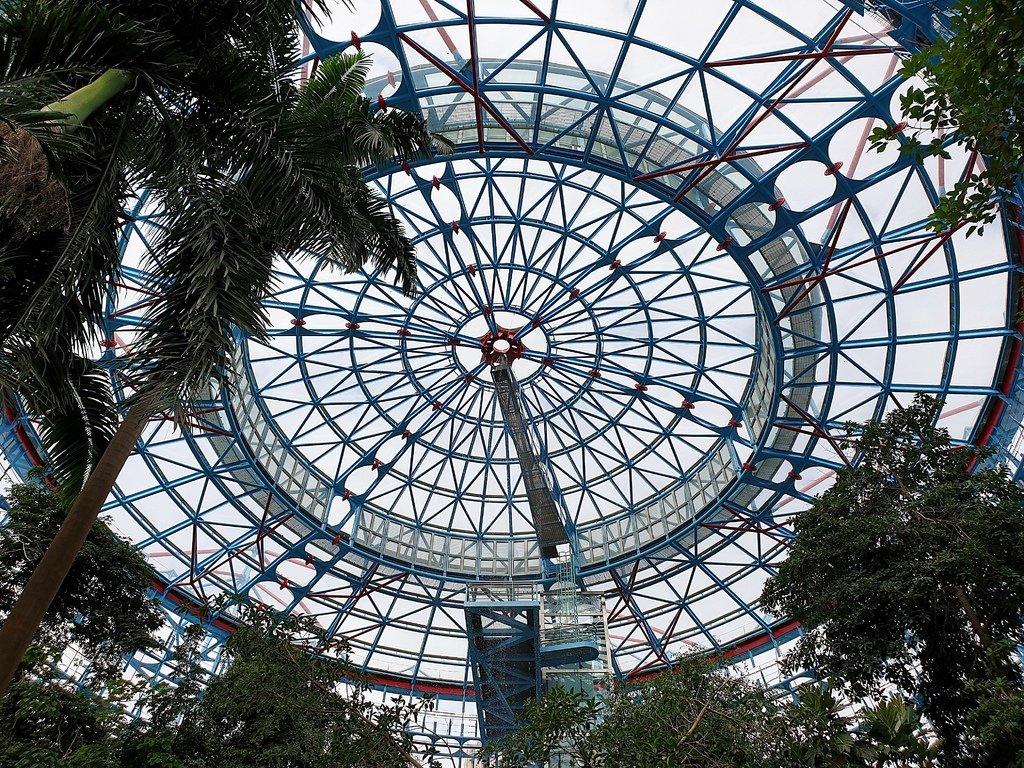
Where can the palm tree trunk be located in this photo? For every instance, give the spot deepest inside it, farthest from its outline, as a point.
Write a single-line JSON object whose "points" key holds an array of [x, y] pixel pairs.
{"points": [[78, 106], [28, 612]]}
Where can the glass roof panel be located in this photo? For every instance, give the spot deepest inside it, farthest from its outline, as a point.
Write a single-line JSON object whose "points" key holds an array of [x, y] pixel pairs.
{"points": [[710, 274]]}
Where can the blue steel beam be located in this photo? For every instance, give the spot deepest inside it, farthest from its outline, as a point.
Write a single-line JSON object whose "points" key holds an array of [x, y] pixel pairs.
{"points": [[504, 647], [842, 381]]}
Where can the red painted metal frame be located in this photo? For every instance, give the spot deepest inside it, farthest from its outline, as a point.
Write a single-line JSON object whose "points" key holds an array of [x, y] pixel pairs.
{"points": [[817, 427], [816, 281], [716, 161], [1014, 357], [824, 53], [748, 524], [476, 79], [470, 89], [627, 603]]}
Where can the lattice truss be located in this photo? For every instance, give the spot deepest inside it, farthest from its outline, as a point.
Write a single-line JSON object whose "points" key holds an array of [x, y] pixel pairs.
{"points": [[677, 211]]}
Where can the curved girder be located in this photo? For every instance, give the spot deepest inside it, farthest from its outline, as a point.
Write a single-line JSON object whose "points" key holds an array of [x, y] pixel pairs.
{"points": [[712, 275]]}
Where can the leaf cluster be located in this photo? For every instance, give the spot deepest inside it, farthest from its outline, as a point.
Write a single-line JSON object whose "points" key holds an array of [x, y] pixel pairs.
{"points": [[47, 722], [695, 715], [245, 163], [816, 731], [909, 571], [278, 703], [972, 97], [103, 608], [699, 714]]}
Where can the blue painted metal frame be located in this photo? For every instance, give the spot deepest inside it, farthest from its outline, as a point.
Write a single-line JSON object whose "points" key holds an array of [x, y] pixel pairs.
{"points": [[504, 647], [760, 187], [657, 589]]}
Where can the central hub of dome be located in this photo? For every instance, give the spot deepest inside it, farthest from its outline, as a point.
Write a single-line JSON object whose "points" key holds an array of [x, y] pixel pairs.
{"points": [[501, 343], [634, 355], [508, 333]]}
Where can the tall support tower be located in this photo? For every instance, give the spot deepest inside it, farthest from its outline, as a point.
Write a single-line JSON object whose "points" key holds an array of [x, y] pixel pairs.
{"points": [[524, 641]]}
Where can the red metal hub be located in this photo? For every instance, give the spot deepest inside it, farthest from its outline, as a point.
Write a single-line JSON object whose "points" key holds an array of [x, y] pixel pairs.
{"points": [[502, 343]]}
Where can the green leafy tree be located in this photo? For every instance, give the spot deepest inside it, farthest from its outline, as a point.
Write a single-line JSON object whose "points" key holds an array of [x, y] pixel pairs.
{"points": [[909, 572], [819, 734], [278, 705], [697, 714], [196, 102], [895, 735], [48, 722], [973, 96], [103, 609], [558, 723], [821, 731]]}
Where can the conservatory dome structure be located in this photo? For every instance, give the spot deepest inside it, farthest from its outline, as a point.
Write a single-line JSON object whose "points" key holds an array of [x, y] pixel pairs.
{"points": [[666, 225]]}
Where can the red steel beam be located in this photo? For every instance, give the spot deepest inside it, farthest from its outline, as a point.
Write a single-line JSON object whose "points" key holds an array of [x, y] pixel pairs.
{"points": [[816, 55], [825, 52], [748, 524], [833, 244], [243, 547], [440, 30], [818, 428], [455, 78], [543, 16], [717, 160], [1013, 359], [476, 81], [851, 265], [627, 599]]}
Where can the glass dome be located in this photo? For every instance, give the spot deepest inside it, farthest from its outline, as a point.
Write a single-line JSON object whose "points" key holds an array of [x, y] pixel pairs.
{"points": [[678, 217]]}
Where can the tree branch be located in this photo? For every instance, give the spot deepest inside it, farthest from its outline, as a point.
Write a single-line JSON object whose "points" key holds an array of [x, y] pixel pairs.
{"points": [[976, 625], [696, 722]]}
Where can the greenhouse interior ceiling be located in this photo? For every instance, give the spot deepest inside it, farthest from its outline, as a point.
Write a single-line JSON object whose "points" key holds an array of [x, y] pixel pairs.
{"points": [[671, 229]]}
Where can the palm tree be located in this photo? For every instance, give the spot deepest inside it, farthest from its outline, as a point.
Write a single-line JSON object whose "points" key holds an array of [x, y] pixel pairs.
{"points": [[894, 729], [819, 734], [199, 105]]}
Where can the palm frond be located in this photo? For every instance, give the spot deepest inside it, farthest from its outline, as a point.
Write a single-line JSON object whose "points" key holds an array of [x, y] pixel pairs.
{"points": [[214, 270], [73, 406], [246, 164], [65, 269], [338, 80], [389, 246], [71, 41]]}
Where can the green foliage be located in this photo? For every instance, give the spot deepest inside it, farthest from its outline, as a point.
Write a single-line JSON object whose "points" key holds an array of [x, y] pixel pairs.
{"points": [[278, 705], [74, 393], [701, 715], [973, 97], [996, 725], [288, 184], [49, 723], [561, 721], [103, 607], [892, 734], [696, 715], [288, 699], [247, 164], [909, 572], [819, 734]]}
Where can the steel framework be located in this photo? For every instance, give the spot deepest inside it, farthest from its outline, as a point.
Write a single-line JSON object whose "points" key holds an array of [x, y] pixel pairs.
{"points": [[708, 272]]}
